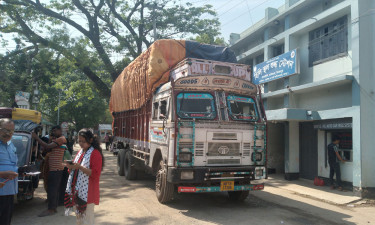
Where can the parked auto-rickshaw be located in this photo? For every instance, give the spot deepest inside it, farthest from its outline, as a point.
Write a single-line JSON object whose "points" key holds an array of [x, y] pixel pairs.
{"points": [[28, 171]]}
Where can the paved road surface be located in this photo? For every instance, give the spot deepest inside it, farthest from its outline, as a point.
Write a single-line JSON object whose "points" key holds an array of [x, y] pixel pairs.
{"points": [[125, 202]]}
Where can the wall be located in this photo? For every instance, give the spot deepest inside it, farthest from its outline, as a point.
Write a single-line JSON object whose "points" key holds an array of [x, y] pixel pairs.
{"points": [[329, 98], [366, 59], [292, 147]]}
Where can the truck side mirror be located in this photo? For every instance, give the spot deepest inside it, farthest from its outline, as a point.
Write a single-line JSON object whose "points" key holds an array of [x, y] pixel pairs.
{"points": [[162, 116]]}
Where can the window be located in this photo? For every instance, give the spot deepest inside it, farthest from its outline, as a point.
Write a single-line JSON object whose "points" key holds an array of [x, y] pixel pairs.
{"points": [[259, 59], [278, 50], [156, 111], [242, 108], [163, 108], [196, 105], [22, 148], [328, 42]]}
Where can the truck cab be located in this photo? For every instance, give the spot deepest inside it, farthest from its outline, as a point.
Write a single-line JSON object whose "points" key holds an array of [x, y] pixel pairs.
{"points": [[213, 138]]}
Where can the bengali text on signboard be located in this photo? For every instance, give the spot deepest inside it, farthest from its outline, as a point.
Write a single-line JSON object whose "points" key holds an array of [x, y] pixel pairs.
{"points": [[284, 65]]}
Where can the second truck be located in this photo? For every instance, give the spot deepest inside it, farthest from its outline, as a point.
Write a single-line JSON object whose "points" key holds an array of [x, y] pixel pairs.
{"points": [[189, 114]]}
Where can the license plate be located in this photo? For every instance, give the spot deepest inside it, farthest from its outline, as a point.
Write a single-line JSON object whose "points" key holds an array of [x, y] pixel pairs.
{"points": [[227, 185]]}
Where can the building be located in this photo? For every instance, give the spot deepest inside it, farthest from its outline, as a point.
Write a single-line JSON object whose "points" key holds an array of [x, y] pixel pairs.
{"points": [[331, 94]]}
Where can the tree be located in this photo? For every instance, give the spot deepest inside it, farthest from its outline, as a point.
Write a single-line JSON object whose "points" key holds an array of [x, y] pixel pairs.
{"points": [[80, 102], [209, 39], [105, 27]]}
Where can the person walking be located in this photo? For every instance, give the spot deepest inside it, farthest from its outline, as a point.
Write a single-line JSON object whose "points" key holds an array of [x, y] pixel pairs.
{"points": [[82, 191], [8, 171], [334, 160], [55, 166], [106, 140]]}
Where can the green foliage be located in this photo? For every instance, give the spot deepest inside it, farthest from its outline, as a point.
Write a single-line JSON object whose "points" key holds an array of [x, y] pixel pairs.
{"points": [[209, 39], [80, 102], [103, 29]]}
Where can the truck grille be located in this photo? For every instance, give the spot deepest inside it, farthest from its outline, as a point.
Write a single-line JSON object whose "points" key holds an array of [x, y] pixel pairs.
{"points": [[224, 136], [199, 148], [223, 161], [213, 149], [246, 149]]}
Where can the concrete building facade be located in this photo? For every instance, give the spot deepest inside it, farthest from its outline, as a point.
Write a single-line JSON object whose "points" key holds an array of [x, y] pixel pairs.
{"points": [[333, 93]]}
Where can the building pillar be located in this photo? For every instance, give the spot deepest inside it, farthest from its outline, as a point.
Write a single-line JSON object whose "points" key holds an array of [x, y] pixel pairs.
{"points": [[363, 88], [266, 54], [291, 150]]}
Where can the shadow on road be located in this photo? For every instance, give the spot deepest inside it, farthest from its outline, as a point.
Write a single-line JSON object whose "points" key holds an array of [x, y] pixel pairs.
{"points": [[216, 208]]}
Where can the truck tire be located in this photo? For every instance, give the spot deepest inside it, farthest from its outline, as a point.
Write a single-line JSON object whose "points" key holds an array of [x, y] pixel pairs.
{"points": [[129, 170], [238, 196], [120, 163], [164, 189]]}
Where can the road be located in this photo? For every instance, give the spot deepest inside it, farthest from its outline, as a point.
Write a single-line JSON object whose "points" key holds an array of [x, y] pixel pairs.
{"points": [[134, 202]]}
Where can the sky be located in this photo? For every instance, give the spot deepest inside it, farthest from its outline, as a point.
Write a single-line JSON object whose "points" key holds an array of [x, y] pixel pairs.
{"points": [[237, 15]]}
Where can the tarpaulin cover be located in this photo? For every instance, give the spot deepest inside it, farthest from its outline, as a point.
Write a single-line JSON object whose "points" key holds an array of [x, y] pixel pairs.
{"points": [[136, 83]]}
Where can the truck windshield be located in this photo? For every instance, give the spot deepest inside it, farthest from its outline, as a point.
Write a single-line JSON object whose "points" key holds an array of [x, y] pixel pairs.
{"points": [[242, 108], [21, 143], [196, 105]]}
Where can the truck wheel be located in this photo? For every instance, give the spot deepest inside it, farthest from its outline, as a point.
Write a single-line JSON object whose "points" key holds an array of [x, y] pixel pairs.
{"points": [[129, 170], [238, 196], [120, 163], [164, 189]]}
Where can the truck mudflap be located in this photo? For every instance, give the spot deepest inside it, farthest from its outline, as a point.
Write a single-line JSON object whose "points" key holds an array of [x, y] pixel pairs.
{"points": [[248, 187]]}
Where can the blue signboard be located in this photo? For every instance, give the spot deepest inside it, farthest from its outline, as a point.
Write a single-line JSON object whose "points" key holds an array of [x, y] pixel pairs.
{"points": [[281, 66]]}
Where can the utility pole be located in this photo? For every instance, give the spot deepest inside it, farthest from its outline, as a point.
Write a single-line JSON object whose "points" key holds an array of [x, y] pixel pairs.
{"points": [[58, 109], [35, 99], [154, 20]]}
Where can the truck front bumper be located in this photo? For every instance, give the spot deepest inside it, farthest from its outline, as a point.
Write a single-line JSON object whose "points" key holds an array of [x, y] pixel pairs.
{"points": [[248, 187]]}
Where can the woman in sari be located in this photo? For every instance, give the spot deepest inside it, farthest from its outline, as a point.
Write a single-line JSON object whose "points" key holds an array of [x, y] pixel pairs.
{"points": [[82, 190]]}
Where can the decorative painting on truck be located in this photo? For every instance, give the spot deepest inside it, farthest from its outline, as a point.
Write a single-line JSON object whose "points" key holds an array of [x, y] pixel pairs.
{"points": [[226, 83], [194, 67], [242, 108], [196, 105]]}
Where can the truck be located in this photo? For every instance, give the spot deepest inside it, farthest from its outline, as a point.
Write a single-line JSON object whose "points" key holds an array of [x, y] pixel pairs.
{"points": [[103, 130], [189, 114]]}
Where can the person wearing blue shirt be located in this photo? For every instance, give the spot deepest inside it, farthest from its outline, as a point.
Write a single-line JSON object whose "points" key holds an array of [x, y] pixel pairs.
{"points": [[8, 171]]}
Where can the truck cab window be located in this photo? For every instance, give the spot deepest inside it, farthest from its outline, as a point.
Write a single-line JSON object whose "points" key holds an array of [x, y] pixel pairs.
{"points": [[156, 111], [196, 105], [163, 108], [242, 108]]}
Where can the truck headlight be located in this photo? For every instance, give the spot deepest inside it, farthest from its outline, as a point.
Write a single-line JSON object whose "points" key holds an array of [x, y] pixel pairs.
{"points": [[185, 157], [259, 172], [187, 175], [257, 156]]}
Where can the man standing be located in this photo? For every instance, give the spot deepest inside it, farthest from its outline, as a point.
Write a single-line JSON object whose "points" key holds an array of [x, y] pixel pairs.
{"points": [[106, 140], [334, 159], [8, 171], [55, 168]]}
